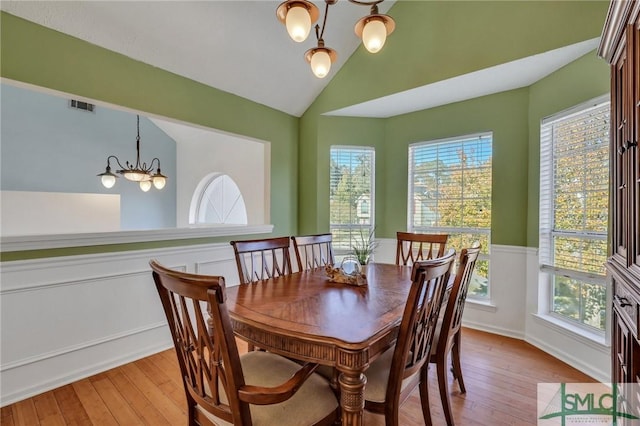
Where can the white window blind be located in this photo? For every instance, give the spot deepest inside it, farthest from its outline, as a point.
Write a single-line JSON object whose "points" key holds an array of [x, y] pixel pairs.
{"points": [[450, 192], [351, 195], [574, 190], [450, 186], [574, 196]]}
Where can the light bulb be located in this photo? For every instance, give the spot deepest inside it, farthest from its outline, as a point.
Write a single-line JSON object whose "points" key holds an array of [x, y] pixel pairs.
{"points": [[159, 182], [374, 35], [320, 63], [298, 22], [108, 180], [145, 185]]}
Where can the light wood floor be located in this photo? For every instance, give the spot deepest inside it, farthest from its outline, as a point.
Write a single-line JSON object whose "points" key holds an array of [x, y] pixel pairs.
{"points": [[500, 376]]}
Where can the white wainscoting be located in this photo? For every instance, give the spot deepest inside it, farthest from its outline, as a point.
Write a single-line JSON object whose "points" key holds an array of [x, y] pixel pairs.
{"points": [[63, 319], [503, 314], [589, 356], [67, 318], [513, 310]]}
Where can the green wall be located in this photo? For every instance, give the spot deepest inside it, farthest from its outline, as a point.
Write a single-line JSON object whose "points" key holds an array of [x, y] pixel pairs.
{"points": [[40, 56], [435, 41], [505, 114]]}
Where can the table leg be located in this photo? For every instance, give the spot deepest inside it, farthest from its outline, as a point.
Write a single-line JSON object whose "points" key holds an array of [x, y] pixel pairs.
{"points": [[352, 397]]}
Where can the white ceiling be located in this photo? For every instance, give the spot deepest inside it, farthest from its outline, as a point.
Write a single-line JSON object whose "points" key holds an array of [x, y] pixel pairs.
{"points": [[240, 47], [499, 78]]}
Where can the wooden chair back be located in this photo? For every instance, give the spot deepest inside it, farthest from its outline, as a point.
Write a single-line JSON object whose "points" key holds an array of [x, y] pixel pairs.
{"points": [[313, 251], [413, 247], [206, 348], [419, 320], [212, 369], [449, 338], [452, 319], [262, 259]]}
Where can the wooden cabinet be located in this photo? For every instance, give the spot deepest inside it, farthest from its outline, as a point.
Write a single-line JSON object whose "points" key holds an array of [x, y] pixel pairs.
{"points": [[620, 46]]}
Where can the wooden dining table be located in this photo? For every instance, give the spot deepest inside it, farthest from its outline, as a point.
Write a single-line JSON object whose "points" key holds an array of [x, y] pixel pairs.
{"points": [[305, 317]]}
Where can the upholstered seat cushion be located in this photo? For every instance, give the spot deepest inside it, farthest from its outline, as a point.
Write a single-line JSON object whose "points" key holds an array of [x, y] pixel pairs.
{"points": [[378, 377], [313, 401]]}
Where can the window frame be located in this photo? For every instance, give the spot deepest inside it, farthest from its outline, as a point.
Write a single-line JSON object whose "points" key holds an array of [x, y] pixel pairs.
{"points": [[548, 232], [411, 227], [370, 228]]}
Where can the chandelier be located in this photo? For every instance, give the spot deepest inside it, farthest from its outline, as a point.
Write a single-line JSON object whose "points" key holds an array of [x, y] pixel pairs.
{"points": [[299, 15], [138, 172]]}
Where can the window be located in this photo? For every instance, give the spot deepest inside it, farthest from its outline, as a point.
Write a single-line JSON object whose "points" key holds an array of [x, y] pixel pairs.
{"points": [[351, 195], [217, 200], [450, 193], [574, 183]]}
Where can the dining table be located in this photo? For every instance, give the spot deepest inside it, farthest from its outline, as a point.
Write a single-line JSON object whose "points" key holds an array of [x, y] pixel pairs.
{"points": [[305, 317]]}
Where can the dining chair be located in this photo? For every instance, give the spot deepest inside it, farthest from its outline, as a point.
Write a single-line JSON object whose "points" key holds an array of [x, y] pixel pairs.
{"points": [[449, 330], [313, 251], [262, 259], [412, 247], [222, 387], [395, 374]]}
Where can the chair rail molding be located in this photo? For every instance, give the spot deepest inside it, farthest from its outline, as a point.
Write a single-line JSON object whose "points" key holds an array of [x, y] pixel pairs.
{"points": [[45, 241]]}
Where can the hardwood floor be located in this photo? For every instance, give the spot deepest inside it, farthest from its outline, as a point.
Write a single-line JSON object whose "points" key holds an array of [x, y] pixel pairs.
{"points": [[500, 375]]}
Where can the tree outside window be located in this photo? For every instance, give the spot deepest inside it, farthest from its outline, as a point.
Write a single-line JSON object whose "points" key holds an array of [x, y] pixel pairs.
{"points": [[351, 195], [574, 194], [450, 193]]}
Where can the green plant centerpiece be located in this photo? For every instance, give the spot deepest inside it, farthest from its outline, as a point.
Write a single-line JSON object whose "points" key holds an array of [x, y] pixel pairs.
{"points": [[364, 246]]}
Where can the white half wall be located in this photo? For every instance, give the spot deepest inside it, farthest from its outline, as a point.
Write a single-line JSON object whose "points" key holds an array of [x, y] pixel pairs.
{"points": [[63, 319]]}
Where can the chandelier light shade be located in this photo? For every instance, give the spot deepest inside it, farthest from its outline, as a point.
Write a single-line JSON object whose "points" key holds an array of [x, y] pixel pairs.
{"points": [[145, 185], [374, 29], [299, 15], [108, 178], [321, 59], [135, 172]]}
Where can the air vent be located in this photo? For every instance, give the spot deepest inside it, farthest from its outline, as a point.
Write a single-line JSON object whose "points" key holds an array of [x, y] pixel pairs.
{"points": [[83, 106]]}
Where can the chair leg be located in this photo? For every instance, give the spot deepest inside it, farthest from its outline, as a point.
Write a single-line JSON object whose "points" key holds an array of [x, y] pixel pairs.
{"points": [[441, 367], [455, 361], [391, 418], [424, 395], [250, 347]]}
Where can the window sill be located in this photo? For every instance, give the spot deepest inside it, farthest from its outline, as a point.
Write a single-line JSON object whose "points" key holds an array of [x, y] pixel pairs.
{"points": [[481, 305], [595, 340]]}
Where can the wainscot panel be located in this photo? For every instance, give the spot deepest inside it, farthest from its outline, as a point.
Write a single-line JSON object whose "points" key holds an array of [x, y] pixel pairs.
{"points": [[67, 318]]}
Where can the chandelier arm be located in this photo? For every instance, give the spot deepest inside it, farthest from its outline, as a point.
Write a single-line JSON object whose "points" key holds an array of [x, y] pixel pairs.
{"points": [[156, 159], [324, 20], [366, 3], [137, 165], [117, 161]]}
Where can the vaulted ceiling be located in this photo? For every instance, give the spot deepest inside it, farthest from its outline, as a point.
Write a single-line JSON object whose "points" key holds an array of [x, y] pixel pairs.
{"points": [[240, 47]]}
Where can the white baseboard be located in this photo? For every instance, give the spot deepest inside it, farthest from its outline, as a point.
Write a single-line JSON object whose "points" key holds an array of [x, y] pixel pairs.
{"points": [[54, 381], [516, 334], [572, 360]]}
